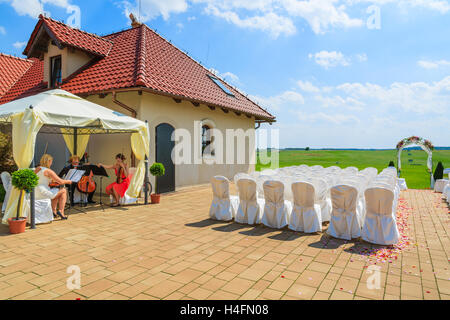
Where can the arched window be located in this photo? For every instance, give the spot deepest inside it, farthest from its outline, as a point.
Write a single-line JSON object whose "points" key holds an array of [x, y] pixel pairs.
{"points": [[206, 140]]}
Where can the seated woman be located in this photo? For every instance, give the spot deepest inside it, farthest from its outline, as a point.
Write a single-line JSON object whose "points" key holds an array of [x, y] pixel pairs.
{"points": [[43, 191], [118, 188]]}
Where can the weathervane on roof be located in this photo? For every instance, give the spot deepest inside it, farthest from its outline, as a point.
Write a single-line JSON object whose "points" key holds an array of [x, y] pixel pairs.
{"points": [[134, 22]]}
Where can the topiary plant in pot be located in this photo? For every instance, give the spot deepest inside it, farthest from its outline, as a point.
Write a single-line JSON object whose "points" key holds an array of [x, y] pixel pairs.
{"points": [[25, 181], [157, 170]]}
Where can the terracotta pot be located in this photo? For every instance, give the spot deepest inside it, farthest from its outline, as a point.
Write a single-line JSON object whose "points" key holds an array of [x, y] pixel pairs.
{"points": [[17, 226], [156, 198]]}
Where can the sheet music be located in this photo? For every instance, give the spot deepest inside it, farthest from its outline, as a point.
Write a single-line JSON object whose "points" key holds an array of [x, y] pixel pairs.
{"points": [[74, 175]]}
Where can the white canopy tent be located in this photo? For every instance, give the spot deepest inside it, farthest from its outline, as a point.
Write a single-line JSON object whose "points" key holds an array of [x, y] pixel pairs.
{"points": [[76, 118]]}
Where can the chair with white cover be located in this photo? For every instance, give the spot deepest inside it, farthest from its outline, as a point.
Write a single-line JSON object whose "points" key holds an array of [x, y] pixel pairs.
{"points": [[276, 209], [321, 198], [221, 208], [380, 225], [249, 210], [305, 215], [6, 181], [440, 184], [345, 222]]}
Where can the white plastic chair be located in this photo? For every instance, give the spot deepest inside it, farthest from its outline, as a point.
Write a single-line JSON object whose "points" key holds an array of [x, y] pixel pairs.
{"points": [[345, 222], [221, 208], [6, 181], [250, 207], [305, 215], [276, 209], [380, 225]]}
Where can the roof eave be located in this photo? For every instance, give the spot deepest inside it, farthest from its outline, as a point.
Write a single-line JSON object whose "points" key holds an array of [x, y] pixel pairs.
{"points": [[258, 118]]}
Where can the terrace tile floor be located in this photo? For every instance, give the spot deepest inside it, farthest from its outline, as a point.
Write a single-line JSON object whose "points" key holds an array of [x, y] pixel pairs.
{"points": [[173, 251]]}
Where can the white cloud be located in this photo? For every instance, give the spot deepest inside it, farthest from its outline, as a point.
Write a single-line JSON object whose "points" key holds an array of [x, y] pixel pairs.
{"points": [[433, 64], [19, 45], [287, 98], [307, 86], [269, 22], [2, 30], [363, 115], [361, 57], [337, 119], [34, 8], [415, 97], [328, 59], [151, 9], [321, 15], [442, 6]]}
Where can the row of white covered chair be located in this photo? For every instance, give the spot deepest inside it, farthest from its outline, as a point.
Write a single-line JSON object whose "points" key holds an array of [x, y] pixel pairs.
{"points": [[273, 211], [304, 202]]}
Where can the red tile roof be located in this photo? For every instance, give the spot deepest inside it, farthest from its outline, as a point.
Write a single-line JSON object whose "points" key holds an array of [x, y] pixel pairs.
{"points": [[29, 84], [12, 69], [68, 36], [140, 58]]}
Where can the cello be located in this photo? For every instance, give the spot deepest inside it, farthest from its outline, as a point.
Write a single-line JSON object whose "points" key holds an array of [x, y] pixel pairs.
{"points": [[87, 184]]}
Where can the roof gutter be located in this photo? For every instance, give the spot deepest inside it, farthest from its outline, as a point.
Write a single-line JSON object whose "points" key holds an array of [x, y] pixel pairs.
{"points": [[123, 105]]}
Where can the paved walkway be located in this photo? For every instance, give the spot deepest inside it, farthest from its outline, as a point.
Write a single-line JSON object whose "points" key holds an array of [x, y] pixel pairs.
{"points": [[172, 251]]}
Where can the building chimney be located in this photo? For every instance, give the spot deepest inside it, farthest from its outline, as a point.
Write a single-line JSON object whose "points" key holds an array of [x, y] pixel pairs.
{"points": [[134, 22]]}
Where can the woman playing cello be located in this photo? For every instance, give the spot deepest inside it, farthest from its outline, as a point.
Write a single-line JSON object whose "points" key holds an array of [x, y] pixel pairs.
{"points": [[118, 188]]}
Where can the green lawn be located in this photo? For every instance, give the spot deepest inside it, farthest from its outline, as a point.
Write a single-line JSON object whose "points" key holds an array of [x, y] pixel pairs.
{"points": [[414, 172]]}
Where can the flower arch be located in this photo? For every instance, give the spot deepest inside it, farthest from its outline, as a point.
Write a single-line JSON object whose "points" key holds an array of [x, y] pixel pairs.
{"points": [[426, 146]]}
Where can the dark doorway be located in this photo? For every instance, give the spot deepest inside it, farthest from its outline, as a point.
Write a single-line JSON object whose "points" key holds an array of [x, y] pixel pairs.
{"points": [[164, 147]]}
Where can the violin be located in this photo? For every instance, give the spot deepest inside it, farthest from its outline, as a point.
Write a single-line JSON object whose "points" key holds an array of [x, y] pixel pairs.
{"points": [[54, 184], [86, 183]]}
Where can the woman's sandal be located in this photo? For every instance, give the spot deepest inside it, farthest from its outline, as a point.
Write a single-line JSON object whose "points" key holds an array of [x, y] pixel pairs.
{"points": [[61, 216]]}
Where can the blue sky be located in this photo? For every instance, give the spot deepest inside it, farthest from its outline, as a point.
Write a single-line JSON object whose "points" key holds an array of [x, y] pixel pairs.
{"points": [[332, 73]]}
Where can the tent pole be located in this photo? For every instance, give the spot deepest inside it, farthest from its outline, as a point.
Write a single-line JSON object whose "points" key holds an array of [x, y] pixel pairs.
{"points": [[146, 181], [75, 138], [32, 204]]}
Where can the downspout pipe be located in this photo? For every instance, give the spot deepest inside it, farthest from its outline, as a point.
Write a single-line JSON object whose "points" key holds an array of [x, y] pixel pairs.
{"points": [[123, 105], [133, 114]]}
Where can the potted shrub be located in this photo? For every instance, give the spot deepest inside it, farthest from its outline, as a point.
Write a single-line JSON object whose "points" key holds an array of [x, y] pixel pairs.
{"points": [[157, 170], [25, 181]]}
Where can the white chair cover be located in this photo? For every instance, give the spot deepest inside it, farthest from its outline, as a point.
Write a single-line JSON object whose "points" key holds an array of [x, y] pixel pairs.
{"points": [[446, 193], [440, 184], [43, 211], [6, 181], [276, 209], [322, 199], [380, 225], [305, 215], [345, 221], [221, 208], [402, 184], [249, 209]]}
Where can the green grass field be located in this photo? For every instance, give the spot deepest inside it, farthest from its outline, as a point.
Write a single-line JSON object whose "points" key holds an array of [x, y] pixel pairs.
{"points": [[414, 172]]}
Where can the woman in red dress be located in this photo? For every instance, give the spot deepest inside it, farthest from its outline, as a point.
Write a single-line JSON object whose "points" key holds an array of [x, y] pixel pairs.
{"points": [[118, 188]]}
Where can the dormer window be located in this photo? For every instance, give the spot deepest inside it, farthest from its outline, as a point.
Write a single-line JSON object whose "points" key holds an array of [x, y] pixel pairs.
{"points": [[55, 72]]}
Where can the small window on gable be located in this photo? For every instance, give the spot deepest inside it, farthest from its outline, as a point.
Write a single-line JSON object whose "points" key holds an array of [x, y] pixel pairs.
{"points": [[55, 72], [221, 85]]}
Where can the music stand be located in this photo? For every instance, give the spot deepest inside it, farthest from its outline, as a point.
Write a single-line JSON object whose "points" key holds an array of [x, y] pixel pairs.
{"points": [[75, 176]]}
